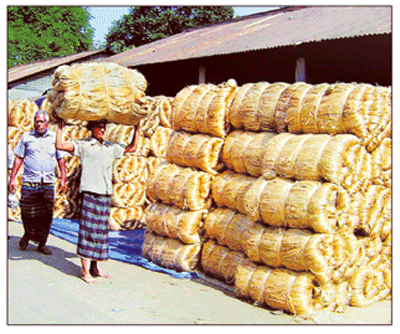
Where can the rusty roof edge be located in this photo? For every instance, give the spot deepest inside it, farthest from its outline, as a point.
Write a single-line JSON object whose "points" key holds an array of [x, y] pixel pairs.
{"points": [[253, 49], [38, 67]]}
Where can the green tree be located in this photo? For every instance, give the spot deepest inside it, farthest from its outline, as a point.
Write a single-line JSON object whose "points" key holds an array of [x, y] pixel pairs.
{"points": [[146, 24], [43, 32]]}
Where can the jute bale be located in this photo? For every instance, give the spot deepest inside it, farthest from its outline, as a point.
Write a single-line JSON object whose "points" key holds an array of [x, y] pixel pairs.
{"points": [[130, 168], [128, 194], [338, 159], [203, 108], [373, 210], [228, 228], [382, 163], [281, 289], [243, 151], [119, 133], [367, 286], [359, 109], [294, 249], [171, 221], [126, 218], [93, 91], [171, 253], [254, 106], [159, 141], [14, 134], [20, 114], [195, 150], [280, 202], [183, 187], [220, 262]]}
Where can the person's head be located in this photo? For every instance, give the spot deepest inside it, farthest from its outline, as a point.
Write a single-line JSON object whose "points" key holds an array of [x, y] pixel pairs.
{"points": [[98, 128], [41, 121]]}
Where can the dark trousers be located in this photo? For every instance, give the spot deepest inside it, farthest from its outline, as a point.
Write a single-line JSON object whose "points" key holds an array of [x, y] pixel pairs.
{"points": [[37, 205]]}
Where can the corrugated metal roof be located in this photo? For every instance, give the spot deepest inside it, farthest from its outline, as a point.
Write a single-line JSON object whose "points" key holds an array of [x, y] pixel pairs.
{"points": [[284, 27], [25, 70]]}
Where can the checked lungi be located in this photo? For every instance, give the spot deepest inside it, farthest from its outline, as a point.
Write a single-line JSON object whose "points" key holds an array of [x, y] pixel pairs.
{"points": [[93, 226], [37, 205]]}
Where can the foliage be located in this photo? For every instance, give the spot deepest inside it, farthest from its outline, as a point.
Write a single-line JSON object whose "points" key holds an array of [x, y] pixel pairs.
{"points": [[42, 32], [145, 24]]}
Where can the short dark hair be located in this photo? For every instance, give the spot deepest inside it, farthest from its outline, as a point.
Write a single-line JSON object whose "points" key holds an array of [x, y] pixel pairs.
{"points": [[92, 124]]}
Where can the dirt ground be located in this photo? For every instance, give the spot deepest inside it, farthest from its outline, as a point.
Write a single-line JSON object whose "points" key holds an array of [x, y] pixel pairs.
{"points": [[47, 290]]}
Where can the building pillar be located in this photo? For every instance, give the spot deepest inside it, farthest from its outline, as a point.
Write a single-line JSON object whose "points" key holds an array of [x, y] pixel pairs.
{"points": [[202, 74], [300, 74]]}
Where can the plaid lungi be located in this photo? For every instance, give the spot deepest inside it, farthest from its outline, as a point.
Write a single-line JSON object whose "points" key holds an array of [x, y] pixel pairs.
{"points": [[93, 226], [37, 205]]}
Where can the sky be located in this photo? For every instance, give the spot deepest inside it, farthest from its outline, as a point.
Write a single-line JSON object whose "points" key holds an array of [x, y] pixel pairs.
{"points": [[104, 16]]}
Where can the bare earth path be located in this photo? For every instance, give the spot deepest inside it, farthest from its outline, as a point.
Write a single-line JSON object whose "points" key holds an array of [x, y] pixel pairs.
{"points": [[47, 290]]}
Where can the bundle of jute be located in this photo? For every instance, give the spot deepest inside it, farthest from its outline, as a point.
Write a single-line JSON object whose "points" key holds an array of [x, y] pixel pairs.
{"points": [[203, 108], [382, 163], [171, 221], [220, 262], [119, 133], [367, 286], [243, 151], [289, 105], [72, 132], [152, 163], [159, 141], [359, 109], [130, 168], [129, 194], [299, 250], [93, 91], [131, 218], [20, 114], [66, 204], [254, 106], [183, 187], [195, 150], [73, 167], [373, 211], [171, 253], [14, 134], [281, 289], [228, 228], [338, 159], [164, 105], [283, 203]]}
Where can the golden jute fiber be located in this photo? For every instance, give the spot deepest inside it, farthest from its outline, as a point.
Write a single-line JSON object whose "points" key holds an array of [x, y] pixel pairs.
{"points": [[195, 150], [20, 114], [171, 253], [243, 151], [171, 221], [281, 289], [220, 262], [93, 91], [126, 218], [183, 187], [203, 108], [283, 203]]}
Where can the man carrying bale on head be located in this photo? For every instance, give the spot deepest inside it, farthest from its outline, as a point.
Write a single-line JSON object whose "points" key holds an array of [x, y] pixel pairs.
{"points": [[97, 156]]}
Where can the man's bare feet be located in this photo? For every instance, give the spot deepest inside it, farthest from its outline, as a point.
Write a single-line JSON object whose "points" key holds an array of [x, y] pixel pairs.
{"points": [[99, 273], [87, 278]]}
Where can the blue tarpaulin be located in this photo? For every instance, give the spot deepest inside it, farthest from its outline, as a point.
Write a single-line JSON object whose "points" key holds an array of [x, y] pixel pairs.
{"points": [[125, 246]]}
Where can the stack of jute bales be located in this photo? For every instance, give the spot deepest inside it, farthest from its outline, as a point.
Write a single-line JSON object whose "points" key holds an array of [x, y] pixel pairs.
{"points": [[180, 187], [306, 196], [299, 216], [130, 173]]}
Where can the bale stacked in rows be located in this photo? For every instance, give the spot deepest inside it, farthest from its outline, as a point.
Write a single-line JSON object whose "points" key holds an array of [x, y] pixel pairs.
{"points": [[305, 198], [181, 186]]}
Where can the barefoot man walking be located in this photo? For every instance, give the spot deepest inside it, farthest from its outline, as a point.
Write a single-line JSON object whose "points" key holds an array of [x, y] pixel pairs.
{"points": [[97, 156]]}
